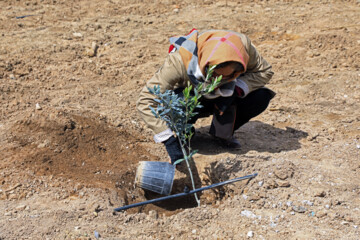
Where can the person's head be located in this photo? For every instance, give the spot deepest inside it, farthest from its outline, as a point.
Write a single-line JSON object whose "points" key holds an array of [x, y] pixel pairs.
{"points": [[222, 48], [225, 50], [229, 70]]}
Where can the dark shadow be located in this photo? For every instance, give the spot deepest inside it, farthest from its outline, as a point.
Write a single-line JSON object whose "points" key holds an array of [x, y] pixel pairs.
{"points": [[179, 186], [218, 172], [254, 135], [172, 204]]}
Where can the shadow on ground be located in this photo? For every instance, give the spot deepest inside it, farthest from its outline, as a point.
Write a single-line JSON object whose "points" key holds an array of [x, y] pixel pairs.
{"points": [[253, 136]]}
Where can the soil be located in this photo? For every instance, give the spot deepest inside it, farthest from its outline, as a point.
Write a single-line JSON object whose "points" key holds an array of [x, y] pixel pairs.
{"points": [[71, 138]]}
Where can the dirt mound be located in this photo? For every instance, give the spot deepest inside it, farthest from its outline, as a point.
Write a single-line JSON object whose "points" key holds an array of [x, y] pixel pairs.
{"points": [[88, 151], [83, 151], [82, 148]]}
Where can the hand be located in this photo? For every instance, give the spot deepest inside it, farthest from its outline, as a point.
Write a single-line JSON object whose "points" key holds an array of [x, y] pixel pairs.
{"points": [[173, 148]]}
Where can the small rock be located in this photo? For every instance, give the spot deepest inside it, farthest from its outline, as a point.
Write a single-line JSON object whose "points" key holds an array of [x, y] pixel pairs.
{"points": [[176, 10], [38, 107], [9, 214], [283, 183], [250, 234], [254, 197], [77, 34], [12, 76], [97, 235], [153, 214], [281, 174], [263, 194], [91, 52], [331, 130], [319, 193], [345, 223], [271, 184], [333, 215], [261, 183], [348, 218], [248, 214], [77, 227], [193, 231], [307, 202], [20, 208], [94, 46], [57, 150], [299, 209], [320, 214], [43, 145]]}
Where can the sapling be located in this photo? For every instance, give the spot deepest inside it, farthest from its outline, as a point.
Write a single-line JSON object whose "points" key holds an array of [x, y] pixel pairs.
{"points": [[177, 111]]}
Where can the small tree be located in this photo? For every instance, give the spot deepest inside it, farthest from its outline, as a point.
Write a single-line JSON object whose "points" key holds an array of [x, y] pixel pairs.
{"points": [[176, 111]]}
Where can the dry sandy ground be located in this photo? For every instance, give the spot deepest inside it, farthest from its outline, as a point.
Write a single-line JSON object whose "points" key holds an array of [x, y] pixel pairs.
{"points": [[71, 137]]}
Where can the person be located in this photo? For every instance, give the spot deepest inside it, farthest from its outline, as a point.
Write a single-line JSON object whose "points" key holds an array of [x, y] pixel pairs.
{"points": [[240, 96]]}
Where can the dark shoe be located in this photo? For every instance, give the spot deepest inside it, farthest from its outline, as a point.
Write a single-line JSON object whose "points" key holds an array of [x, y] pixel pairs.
{"points": [[232, 143]]}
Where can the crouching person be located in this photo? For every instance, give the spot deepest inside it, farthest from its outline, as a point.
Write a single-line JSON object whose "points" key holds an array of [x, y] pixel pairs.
{"points": [[240, 96]]}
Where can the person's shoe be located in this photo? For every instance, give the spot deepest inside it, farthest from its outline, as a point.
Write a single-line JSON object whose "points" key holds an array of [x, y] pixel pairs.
{"points": [[232, 143]]}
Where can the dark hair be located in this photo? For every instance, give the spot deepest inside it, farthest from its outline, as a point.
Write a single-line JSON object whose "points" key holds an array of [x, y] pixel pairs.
{"points": [[238, 66]]}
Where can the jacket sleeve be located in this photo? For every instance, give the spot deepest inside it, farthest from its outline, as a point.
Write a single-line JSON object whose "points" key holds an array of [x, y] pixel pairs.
{"points": [[258, 71], [168, 77]]}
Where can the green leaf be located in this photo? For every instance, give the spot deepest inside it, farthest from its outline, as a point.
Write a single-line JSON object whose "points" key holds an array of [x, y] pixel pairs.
{"points": [[186, 93], [193, 153], [178, 161]]}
